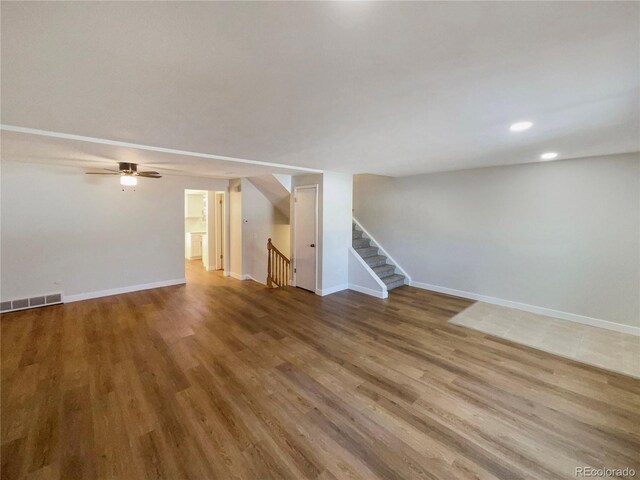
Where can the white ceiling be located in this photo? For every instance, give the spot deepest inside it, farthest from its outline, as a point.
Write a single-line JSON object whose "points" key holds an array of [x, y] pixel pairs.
{"points": [[90, 155], [393, 88]]}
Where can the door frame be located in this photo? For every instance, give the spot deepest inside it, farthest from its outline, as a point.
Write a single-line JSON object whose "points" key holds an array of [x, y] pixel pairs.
{"points": [[219, 215], [294, 250]]}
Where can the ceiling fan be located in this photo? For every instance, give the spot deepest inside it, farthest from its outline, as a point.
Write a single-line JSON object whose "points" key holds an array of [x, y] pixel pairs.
{"points": [[128, 173]]}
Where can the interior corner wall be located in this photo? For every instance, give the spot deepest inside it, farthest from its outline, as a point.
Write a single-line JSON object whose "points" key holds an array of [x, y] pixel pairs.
{"points": [[260, 221], [337, 202], [64, 231], [563, 235]]}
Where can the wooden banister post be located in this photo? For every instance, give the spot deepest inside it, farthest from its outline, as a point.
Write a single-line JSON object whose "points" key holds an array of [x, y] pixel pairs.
{"points": [[269, 273], [278, 267]]}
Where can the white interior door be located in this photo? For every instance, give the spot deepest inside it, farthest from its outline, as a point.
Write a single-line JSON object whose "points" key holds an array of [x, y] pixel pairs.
{"points": [[305, 236]]}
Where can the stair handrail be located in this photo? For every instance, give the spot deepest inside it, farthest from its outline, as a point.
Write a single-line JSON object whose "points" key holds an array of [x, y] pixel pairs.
{"points": [[278, 267]]}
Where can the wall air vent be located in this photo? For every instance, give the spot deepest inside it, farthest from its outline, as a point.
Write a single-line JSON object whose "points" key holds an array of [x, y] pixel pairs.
{"points": [[33, 302], [55, 298]]}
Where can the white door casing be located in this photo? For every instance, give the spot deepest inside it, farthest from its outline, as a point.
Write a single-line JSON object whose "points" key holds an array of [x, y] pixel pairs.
{"points": [[219, 263], [305, 236]]}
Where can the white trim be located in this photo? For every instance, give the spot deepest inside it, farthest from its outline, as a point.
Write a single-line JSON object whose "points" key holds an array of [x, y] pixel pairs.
{"points": [[238, 276], [383, 294], [572, 317], [329, 291], [219, 210], [369, 291], [407, 280], [138, 146], [118, 291], [249, 277], [293, 234]]}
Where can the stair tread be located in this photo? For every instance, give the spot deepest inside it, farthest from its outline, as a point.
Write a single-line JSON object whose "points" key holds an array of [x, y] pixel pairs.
{"points": [[375, 260], [385, 270], [386, 266], [361, 243], [385, 275], [391, 286], [393, 278], [367, 251]]}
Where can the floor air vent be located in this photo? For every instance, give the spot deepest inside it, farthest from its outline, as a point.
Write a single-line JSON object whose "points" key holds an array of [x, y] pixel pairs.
{"points": [[33, 302]]}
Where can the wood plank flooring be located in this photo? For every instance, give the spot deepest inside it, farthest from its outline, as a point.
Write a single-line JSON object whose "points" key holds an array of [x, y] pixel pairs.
{"points": [[224, 379]]}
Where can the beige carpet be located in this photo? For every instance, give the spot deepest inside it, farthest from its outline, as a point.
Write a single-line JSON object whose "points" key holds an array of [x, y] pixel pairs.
{"points": [[614, 351]]}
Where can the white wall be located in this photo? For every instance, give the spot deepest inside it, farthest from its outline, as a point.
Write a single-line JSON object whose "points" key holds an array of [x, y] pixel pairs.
{"points": [[561, 235], [66, 231], [335, 194], [337, 200], [261, 221]]}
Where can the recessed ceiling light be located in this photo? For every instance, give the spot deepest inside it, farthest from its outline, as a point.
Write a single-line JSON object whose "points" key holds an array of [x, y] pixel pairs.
{"points": [[548, 156], [520, 126]]}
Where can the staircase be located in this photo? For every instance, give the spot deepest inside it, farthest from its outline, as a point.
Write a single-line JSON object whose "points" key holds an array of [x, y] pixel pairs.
{"points": [[377, 262], [278, 267]]}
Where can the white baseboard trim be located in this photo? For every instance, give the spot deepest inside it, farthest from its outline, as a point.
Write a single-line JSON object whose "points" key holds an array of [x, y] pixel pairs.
{"points": [[369, 291], [117, 291], [237, 276], [572, 317], [329, 291], [249, 277]]}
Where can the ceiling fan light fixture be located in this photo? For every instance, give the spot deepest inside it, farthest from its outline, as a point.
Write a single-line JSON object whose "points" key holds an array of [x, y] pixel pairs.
{"points": [[128, 173], [128, 181]]}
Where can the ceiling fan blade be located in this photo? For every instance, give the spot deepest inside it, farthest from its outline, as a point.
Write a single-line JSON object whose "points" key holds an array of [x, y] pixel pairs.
{"points": [[111, 170], [100, 173], [149, 174]]}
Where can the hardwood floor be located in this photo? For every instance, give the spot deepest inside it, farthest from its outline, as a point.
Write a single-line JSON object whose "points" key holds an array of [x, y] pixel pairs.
{"points": [[227, 379]]}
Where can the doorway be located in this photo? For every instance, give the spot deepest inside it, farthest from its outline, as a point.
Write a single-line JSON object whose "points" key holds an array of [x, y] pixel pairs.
{"points": [[305, 237], [195, 226], [204, 216]]}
